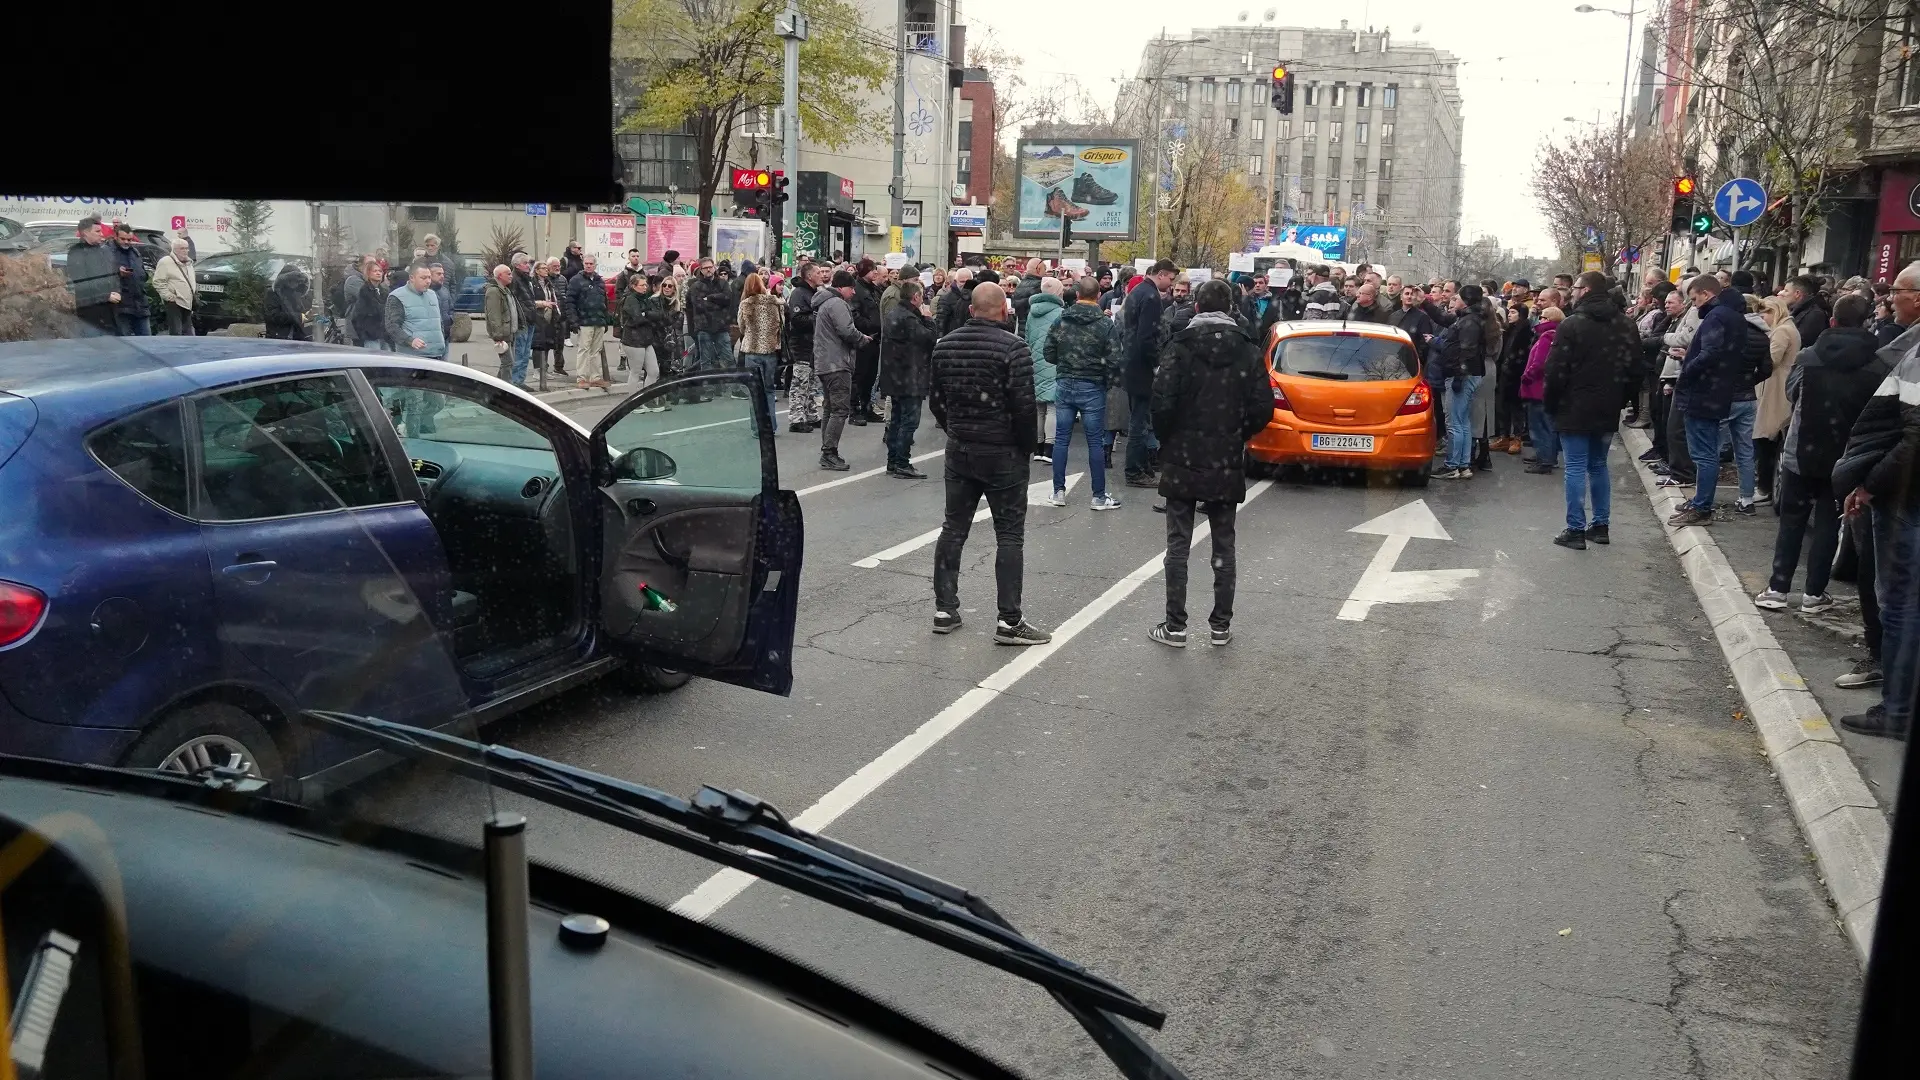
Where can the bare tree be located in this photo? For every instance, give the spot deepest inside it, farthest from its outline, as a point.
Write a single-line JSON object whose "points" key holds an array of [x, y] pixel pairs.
{"points": [[1595, 185], [1785, 94]]}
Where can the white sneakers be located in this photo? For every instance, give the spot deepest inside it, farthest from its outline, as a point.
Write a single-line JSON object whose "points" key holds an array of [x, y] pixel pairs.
{"points": [[1100, 502]]}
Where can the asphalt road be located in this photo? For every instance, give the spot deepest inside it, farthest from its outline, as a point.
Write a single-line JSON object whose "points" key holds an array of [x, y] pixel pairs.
{"points": [[1518, 832]]}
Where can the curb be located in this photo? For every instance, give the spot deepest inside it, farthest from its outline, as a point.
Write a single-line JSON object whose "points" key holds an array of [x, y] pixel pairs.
{"points": [[1839, 816], [572, 393]]}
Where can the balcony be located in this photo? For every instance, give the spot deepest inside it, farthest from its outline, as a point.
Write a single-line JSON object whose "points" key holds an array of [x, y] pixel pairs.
{"points": [[921, 37]]}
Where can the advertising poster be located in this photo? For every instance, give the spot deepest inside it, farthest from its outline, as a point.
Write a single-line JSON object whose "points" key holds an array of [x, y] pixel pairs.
{"points": [[671, 233], [806, 235], [910, 242], [1330, 240], [608, 238], [737, 241], [1092, 183]]}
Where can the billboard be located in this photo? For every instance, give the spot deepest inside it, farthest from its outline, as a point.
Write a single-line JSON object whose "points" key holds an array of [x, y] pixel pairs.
{"points": [[1330, 239], [1094, 184], [608, 236]]}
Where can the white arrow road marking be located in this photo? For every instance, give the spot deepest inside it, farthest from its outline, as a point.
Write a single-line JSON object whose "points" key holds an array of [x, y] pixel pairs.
{"points": [[1037, 493], [1380, 583]]}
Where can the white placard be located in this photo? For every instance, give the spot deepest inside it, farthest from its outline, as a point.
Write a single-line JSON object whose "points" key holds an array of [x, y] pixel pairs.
{"points": [[896, 259], [926, 278], [1076, 265], [1240, 261], [1278, 277], [1198, 274], [1141, 266]]}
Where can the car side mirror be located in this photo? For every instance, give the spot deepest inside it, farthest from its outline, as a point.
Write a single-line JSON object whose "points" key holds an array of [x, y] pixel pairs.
{"points": [[644, 463]]}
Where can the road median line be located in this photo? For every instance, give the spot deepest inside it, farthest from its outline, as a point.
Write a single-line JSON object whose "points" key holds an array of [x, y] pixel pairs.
{"points": [[1836, 812]]}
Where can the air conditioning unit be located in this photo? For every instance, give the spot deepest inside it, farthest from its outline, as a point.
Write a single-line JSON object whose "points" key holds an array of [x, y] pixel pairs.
{"points": [[873, 226]]}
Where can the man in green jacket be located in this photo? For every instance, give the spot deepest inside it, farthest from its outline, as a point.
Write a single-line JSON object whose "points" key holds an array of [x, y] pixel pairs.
{"points": [[1086, 360]]}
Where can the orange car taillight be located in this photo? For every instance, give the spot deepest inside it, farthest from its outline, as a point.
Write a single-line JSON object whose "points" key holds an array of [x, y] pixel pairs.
{"points": [[20, 611], [1279, 395], [1419, 401]]}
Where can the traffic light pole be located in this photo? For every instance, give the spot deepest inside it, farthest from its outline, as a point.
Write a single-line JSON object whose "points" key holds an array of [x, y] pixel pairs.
{"points": [[899, 186], [792, 28]]}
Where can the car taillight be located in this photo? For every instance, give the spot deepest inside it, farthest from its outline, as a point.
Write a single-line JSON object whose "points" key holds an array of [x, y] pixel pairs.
{"points": [[20, 611], [1419, 401], [1279, 395]]}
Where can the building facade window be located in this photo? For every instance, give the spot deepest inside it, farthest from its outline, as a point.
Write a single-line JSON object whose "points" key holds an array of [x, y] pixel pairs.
{"points": [[1382, 202], [1366, 95], [1907, 78], [1333, 168], [1180, 90], [1312, 128], [1386, 133], [1386, 169], [1286, 129], [1313, 93], [1360, 132], [1233, 127], [1390, 96], [1253, 165], [1333, 130], [1339, 95], [1259, 131], [658, 162], [1206, 93], [1233, 93]]}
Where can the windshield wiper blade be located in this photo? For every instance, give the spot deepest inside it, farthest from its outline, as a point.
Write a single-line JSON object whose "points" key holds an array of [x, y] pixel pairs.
{"points": [[749, 834], [1339, 375]]}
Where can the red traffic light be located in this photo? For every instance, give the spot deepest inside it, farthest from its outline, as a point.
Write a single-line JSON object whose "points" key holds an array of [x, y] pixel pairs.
{"points": [[1683, 186]]}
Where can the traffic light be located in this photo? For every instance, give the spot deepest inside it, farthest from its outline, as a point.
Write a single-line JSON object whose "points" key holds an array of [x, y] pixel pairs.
{"points": [[1702, 223], [1283, 89], [1683, 190]]}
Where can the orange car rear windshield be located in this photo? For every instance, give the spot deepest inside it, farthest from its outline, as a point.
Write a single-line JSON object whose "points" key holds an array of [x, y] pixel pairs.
{"points": [[1345, 357]]}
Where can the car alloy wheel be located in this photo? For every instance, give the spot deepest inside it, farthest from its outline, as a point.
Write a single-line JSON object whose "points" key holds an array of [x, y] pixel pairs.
{"points": [[205, 752]]}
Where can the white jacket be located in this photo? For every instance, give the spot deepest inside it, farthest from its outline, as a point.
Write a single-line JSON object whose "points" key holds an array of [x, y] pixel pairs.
{"points": [[173, 280]]}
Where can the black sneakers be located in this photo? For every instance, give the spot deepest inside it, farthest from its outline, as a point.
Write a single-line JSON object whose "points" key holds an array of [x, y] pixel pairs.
{"points": [[1165, 636], [1024, 634], [1088, 190], [1874, 722], [944, 623], [1597, 534], [1572, 538], [834, 462], [905, 472]]}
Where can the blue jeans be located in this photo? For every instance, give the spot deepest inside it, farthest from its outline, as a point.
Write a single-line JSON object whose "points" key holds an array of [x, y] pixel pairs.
{"points": [[1460, 390], [522, 354], [1546, 441], [1087, 400], [767, 366], [1896, 557], [1738, 426], [1586, 475], [711, 352], [130, 325], [901, 424], [1140, 441], [1703, 446]]}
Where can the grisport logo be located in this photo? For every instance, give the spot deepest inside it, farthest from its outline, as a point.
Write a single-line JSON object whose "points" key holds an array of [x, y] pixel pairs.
{"points": [[1103, 155]]}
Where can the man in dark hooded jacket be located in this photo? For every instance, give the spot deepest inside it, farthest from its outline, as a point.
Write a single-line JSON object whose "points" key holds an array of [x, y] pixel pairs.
{"points": [[1829, 384], [1210, 395], [1588, 372], [1709, 381], [1023, 293], [1465, 366]]}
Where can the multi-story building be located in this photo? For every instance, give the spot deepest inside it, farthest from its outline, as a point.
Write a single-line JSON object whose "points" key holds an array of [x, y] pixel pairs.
{"points": [[1374, 141]]}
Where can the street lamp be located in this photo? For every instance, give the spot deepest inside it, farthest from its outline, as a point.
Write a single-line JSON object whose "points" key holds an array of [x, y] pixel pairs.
{"points": [[1160, 137], [1626, 73]]}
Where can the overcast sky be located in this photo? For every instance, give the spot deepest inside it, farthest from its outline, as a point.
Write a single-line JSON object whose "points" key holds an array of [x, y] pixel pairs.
{"points": [[1522, 70]]}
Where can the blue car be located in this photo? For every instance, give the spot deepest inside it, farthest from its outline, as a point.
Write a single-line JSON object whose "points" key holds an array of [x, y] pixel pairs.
{"points": [[203, 538]]}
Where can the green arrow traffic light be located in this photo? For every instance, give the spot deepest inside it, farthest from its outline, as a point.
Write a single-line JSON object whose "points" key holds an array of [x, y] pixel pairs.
{"points": [[1702, 224]]}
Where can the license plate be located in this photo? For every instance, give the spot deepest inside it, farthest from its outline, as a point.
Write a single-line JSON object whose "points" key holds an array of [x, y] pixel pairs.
{"points": [[211, 288], [1348, 444]]}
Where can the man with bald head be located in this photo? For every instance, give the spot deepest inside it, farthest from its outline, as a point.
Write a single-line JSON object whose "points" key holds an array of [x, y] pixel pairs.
{"points": [[982, 397]]}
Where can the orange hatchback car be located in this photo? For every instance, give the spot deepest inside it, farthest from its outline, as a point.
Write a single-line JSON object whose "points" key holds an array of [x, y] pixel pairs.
{"points": [[1347, 396]]}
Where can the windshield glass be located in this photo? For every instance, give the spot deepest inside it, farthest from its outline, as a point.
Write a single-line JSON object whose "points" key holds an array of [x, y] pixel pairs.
{"points": [[1525, 696], [1348, 357]]}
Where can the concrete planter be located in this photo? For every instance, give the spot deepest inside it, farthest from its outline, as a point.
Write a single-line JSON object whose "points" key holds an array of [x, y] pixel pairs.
{"points": [[462, 326], [247, 329]]}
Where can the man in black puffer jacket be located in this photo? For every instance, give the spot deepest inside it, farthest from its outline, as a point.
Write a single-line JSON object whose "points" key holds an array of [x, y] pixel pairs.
{"points": [[982, 397], [1210, 395], [1589, 371], [1877, 470], [1829, 384]]}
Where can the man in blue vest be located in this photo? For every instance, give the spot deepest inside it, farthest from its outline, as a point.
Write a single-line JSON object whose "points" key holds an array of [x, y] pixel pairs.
{"points": [[413, 316]]}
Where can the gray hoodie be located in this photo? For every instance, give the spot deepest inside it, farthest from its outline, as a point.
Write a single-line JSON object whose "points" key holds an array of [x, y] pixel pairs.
{"points": [[834, 335]]}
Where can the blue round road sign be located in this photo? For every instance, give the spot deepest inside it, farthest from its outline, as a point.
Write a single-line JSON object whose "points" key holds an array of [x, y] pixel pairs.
{"points": [[1739, 202]]}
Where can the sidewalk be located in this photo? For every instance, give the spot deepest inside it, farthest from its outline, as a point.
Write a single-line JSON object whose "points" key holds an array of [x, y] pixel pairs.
{"points": [[479, 355], [1820, 646]]}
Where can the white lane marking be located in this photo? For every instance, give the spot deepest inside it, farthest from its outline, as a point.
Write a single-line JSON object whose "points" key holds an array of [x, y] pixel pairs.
{"points": [[1037, 493], [1380, 583], [851, 477], [714, 893]]}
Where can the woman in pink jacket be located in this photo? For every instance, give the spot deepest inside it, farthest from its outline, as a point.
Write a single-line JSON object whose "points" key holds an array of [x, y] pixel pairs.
{"points": [[1533, 391]]}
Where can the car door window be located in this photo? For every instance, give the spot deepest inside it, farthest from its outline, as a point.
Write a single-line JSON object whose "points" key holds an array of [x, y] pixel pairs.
{"points": [[698, 444], [148, 452], [295, 447]]}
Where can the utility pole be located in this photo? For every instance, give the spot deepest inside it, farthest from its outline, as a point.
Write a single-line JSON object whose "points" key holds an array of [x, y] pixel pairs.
{"points": [[791, 25], [899, 187]]}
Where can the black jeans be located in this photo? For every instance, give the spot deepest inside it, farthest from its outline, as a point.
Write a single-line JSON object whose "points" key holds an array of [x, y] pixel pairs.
{"points": [[999, 473], [866, 369], [1659, 404], [1220, 515], [1766, 460], [1798, 498], [179, 321], [1679, 461]]}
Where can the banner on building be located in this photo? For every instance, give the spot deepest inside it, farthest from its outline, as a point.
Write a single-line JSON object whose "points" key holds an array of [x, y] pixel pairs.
{"points": [[1094, 185], [666, 232], [737, 240], [608, 238]]}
